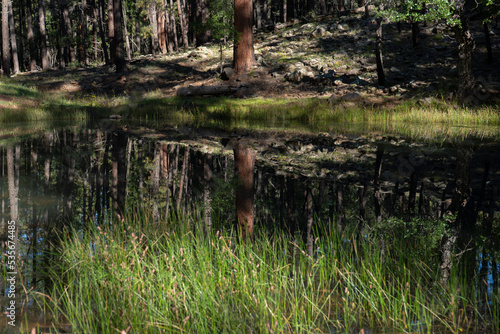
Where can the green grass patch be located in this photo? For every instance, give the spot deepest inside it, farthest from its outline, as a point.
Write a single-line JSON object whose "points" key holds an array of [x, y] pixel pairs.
{"points": [[173, 277]]}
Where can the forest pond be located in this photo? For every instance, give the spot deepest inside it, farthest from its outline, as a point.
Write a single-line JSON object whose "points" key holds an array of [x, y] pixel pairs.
{"points": [[439, 191]]}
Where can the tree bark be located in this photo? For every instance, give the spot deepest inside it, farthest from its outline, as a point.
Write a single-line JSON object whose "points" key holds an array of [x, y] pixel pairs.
{"points": [[378, 54], [182, 22], [67, 31], [174, 26], [244, 157], [465, 45], [488, 42], [244, 56], [111, 31], [13, 39], [5, 38], [103, 33], [31, 36], [128, 48], [117, 49], [153, 21]]}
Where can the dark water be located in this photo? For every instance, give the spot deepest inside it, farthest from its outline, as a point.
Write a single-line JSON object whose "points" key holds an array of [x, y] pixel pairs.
{"points": [[77, 175]]}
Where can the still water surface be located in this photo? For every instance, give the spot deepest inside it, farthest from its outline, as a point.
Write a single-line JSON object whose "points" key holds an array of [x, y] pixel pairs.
{"points": [[363, 179]]}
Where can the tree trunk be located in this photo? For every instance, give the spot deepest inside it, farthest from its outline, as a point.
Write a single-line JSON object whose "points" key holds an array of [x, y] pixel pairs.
{"points": [[322, 6], [5, 38], [172, 22], [378, 54], [244, 158], [415, 34], [138, 39], [43, 36], [465, 45], [169, 32], [102, 33], [182, 21], [488, 42], [118, 36], [244, 56], [202, 14], [111, 32], [128, 48], [13, 40], [31, 36], [67, 31], [153, 21], [162, 31]]}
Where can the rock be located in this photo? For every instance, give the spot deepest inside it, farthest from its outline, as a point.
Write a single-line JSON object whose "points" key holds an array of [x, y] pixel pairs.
{"points": [[320, 31], [426, 101], [227, 73], [393, 89], [261, 61], [333, 99], [338, 82], [394, 70], [351, 97], [308, 26], [340, 28], [296, 76]]}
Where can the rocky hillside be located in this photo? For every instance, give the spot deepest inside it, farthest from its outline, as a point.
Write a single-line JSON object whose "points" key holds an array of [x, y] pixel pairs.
{"points": [[332, 57]]}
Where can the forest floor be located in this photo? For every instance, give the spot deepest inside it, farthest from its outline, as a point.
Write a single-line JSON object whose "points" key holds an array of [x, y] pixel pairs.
{"points": [[331, 58]]}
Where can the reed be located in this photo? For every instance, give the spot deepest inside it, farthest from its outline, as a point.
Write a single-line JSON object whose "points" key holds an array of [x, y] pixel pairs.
{"points": [[174, 277]]}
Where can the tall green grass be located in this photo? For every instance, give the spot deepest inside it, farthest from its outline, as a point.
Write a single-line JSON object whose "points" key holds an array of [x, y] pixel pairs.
{"points": [[173, 277]]}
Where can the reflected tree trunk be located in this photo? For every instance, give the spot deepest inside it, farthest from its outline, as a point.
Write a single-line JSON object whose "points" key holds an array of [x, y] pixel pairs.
{"points": [[207, 200], [183, 179], [244, 158], [309, 215], [119, 170], [155, 179]]}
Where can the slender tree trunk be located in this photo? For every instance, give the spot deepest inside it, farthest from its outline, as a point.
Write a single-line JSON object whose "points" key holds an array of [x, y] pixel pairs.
{"points": [[13, 39], [67, 31], [103, 33], [111, 32], [169, 31], [182, 21], [244, 157], [5, 38], [415, 34], [378, 54], [322, 6], [488, 42], [153, 22], [128, 49], [94, 18], [138, 39], [31, 36], [174, 26], [202, 14], [243, 57], [466, 45], [162, 31], [117, 48]]}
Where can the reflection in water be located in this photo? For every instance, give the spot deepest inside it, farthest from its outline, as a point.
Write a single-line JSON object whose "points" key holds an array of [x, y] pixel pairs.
{"points": [[446, 193]]}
